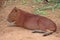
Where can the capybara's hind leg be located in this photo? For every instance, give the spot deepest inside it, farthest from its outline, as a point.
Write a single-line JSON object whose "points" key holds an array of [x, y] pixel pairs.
{"points": [[47, 33], [38, 31]]}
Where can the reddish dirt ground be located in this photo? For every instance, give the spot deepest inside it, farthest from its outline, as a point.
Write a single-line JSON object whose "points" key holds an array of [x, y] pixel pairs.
{"points": [[18, 33]]}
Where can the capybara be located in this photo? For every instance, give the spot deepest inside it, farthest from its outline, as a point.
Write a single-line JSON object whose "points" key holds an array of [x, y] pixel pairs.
{"points": [[32, 21]]}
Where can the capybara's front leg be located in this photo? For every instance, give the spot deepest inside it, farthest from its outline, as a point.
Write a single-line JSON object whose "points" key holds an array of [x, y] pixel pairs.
{"points": [[12, 24]]}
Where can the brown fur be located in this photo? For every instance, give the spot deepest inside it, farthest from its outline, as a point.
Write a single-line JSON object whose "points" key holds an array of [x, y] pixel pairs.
{"points": [[31, 21]]}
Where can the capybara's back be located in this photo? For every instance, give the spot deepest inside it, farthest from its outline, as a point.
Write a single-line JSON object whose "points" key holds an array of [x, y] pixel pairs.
{"points": [[31, 21]]}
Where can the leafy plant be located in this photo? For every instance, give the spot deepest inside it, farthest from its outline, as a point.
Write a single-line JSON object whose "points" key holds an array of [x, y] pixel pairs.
{"points": [[37, 11], [35, 1]]}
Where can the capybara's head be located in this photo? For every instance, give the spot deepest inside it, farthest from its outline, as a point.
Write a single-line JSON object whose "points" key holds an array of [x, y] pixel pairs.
{"points": [[12, 15], [15, 13]]}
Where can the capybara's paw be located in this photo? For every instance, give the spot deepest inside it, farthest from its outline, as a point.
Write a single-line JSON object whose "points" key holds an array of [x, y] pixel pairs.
{"points": [[11, 24], [47, 33]]}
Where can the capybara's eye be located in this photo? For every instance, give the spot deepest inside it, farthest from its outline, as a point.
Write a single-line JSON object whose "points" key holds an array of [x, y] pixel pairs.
{"points": [[15, 10]]}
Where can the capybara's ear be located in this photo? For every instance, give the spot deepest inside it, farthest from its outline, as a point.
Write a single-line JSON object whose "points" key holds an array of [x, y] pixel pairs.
{"points": [[15, 9]]}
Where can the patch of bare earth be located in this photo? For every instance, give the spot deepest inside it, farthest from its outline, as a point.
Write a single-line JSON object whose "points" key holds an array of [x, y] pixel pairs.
{"points": [[18, 33]]}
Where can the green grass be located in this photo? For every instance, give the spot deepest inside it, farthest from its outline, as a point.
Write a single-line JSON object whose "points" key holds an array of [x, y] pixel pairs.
{"points": [[39, 9]]}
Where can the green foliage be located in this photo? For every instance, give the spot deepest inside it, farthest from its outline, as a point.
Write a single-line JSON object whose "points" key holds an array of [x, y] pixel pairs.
{"points": [[58, 5], [38, 11], [23, 2], [35, 1], [46, 7], [41, 9], [58, 1]]}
